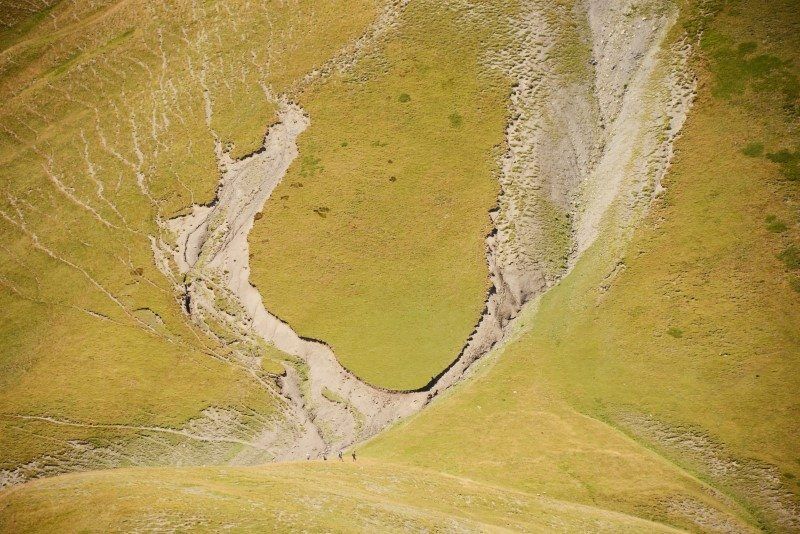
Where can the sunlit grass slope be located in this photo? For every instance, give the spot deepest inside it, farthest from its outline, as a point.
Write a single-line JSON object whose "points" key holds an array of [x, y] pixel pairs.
{"points": [[374, 242], [689, 344], [108, 120], [658, 380], [312, 497]]}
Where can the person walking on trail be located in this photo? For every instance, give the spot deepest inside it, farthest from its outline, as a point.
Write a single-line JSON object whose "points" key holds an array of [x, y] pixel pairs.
{"points": [[340, 457], [354, 455]]}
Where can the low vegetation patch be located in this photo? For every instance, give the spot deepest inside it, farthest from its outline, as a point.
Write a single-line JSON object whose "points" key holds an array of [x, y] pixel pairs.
{"points": [[790, 257], [675, 332], [381, 253]]}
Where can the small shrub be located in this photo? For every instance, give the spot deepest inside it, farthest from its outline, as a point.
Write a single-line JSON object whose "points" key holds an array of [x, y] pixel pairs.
{"points": [[404, 97], [753, 149], [774, 224], [309, 166], [456, 120], [795, 283], [789, 163], [780, 157], [675, 332], [790, 257], [776, 227]]}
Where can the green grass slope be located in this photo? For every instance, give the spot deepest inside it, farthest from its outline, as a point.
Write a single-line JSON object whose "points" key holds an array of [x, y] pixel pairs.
{"points": [[653, 388], [685, 339], [374, 242], [109, 115]]}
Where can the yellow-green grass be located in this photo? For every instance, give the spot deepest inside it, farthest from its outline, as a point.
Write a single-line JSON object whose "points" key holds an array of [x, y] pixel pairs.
{"points": [[690, 344], [313, 497], [508, 428], [374, 242], [92, 93], [72, 370], [696, 329]]}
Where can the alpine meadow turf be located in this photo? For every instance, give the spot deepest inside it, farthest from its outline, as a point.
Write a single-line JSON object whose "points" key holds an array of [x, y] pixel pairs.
{"points": [[652, 388]]}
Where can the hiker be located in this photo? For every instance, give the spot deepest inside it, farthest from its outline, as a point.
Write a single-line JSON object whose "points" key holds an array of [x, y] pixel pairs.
{"points": [[308, 456], [354, 455], [340, 457]]}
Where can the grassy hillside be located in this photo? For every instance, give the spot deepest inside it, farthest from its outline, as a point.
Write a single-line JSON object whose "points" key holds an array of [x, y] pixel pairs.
{"points": [[654, 388], [109, 116], [332, 497], [686, 339], [374, 242]]}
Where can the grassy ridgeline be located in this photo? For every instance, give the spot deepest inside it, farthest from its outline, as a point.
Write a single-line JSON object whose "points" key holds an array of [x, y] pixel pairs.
{"points": [[317, 496]]}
